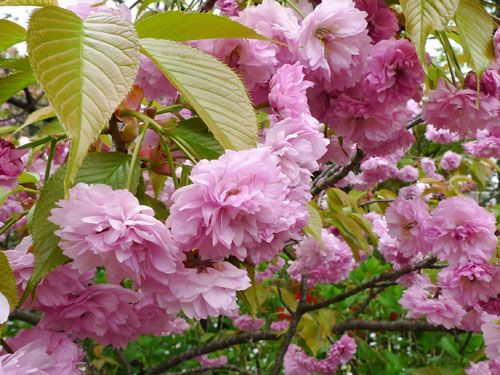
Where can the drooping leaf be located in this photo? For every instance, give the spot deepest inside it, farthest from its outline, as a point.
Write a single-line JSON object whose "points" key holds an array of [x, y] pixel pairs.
{"points": [[109, 168], [14, 83], [38, 115], [16, 64], [37, 3], [194, 134], [212, 88], [425, 16], [314, 224], [475, 27], [7, 281], [182, 26], [451, 347], [85, 67], [10, 33]]}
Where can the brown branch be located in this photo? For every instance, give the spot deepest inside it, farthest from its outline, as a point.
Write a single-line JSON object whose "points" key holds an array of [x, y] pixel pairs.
{"points": [[116, 134], [418, 119], [366, 302], [25, 316], [123, 360], [241, 338], [332, 180], [292, 328], [207, 6], [398, 325], [201, 370], [390, 276]]}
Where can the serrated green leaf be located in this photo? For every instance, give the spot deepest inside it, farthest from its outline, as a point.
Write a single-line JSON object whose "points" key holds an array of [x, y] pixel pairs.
{"points": [[161, 211], [326, 322], [194, 134], [311, 333], [314, 224], [475, 27], [425, 16], [10, 33], [181, 26], [36, 3], [480, 173], [450, 346], [216, 93], [28, 178], [16, 64], [38, 115], [86, 68], [7, 281], [109, 168], [14, 83]]}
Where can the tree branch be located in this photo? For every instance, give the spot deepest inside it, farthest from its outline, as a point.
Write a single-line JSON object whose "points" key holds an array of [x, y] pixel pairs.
{"points": [[201, 370], [241, 338], [418, 119], [115, 133], [397, 325], [333, 179], [292, 328], [390, 276], [123, 360], [25, 316]]}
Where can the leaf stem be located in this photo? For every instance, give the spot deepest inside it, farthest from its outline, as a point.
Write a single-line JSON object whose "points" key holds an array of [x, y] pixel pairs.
{"points": [[171, 164], [135, 155], [52, 151], [295, 8]]}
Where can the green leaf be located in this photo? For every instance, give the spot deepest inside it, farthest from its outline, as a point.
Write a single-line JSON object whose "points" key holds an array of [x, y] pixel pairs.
{"points": [[311, 333], [181, 26], [314, 224], [86, 68], [109, 168], [36, 3], [38, 115], [450, 346], [16, 64], [432, 370], [28, 178], [216, 93], [425, 16], [10, 33], [194, 135], [7, 281], [14, 83], [161, 211], [480, 173], [475, 27]]}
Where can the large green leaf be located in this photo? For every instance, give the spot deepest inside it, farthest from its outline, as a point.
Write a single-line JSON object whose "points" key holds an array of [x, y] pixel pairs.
{"points": [[10, 33], [181, 26], [314, 224], [212, 88], [109, 168], [13, 83], [7, 281], [475, 27], [28, 2], [85, 67], [16, 64], [425, 16], [194, 134]]}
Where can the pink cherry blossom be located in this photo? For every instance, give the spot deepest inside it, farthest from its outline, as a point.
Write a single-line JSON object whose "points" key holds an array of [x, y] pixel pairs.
{"points": [[455, 110], [335, 43], [11, 165], [279, 326], [211, 362], [382, 23], [61, 349], [394, 71], [405, 219], [450, 161], [234, 207], [337, 153], [460, 231], [31, 359], [491, 335], [154, 83], [100, 226], [487, 145], [229, 8], [104, 312], [85, 8], [247, 323], [437, 310]]}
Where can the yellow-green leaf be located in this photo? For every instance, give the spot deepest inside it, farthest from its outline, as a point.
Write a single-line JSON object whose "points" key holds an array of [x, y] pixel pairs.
{"points": [[7, 281], [37, 3], [181, 26], [314, 224], [13, 83], [475, 27], [10, 33], [86, 68], [425, 16], [38, 115], [212, 88]]}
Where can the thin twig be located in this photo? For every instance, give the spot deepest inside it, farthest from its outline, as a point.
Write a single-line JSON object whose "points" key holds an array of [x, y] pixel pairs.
{"points": [[465, 343], [116, 134], [201, 370], [123, 360], [418, 119], [292, 328], [288, 308], [367, 301], [390, 276], [25, 316], [375, 201], [397, 325], [333, 179]]}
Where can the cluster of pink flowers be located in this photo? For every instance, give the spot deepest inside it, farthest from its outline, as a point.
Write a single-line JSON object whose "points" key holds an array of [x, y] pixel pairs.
{"points": [[11, 165], [298, 363], [328, 262]]}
